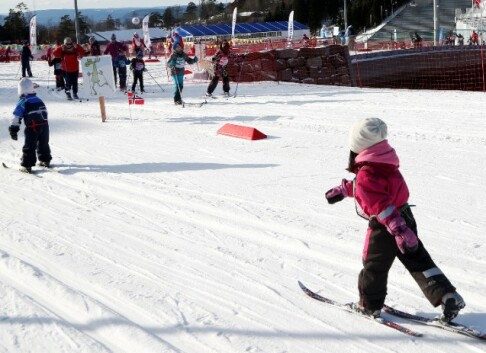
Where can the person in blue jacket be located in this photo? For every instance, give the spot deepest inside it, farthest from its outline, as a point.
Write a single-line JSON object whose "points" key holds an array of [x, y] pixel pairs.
{"points": [[32, 110], [176, 62]]}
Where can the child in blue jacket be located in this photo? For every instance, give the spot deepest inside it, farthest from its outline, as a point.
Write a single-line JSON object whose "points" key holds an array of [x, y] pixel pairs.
{"points": [[121, 63], [32, 110], [176, 63]]}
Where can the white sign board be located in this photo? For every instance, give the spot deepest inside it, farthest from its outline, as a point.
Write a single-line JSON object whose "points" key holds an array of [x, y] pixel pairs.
{"points": [[98, 78]]}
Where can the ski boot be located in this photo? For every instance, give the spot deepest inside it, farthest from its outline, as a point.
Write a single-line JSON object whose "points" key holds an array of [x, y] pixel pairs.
{"points": [[44, 164], [365, 311], [451, 304], [68, 96], [27, 170]]}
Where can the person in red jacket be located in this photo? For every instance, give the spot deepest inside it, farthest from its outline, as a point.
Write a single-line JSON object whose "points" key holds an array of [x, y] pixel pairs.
{"points": [[138, 44], [381, 195], [113, 48], [70, 54]]}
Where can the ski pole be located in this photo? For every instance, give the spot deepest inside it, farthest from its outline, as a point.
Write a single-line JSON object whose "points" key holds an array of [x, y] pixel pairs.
{"points": [[153, 78], [128, 80], [18, 69], [166, 67], [48, 77], [239, 75]]}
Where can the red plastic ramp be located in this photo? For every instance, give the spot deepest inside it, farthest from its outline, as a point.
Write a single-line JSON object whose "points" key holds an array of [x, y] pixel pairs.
{"points": [[244, 132]]}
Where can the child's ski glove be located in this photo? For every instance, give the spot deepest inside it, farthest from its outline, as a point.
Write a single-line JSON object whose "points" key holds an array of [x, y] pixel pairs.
{"points": [[405, 238], [338, 193], [13, 130]]}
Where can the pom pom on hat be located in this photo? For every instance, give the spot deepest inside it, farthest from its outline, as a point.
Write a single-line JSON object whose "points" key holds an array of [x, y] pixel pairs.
{"points": [[25, 87], [366, 133]]}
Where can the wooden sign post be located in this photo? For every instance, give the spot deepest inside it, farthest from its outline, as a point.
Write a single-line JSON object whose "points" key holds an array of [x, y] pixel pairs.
{"points": [[102, 108]]}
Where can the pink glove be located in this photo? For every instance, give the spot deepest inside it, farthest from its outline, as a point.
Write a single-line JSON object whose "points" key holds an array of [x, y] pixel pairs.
{"points": [[405, 238], [338, 193]]}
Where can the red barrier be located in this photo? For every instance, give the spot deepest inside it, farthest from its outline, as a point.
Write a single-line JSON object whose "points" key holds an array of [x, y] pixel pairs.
{"points": [[244, 132]]}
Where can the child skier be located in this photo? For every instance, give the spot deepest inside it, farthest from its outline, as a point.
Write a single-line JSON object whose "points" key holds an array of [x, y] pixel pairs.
{"points": [[33, 111], [138, 67], [220, 61], [176, 63], [58, 71], [382, 194], [122, 62]]}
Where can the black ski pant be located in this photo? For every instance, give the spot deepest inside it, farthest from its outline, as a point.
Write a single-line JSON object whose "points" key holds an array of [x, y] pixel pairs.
{"points": [[379, 253], [214, 83], [26, 68], [36, 140], [137, 76], [123, 77], [71, 81], [59, 78], [115, 72]]}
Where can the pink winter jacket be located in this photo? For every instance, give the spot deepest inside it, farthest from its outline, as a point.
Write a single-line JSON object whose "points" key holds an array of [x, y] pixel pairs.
{"points": [[380, 188]]}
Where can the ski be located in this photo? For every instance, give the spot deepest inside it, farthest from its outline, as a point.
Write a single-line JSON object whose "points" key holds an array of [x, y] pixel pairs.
{"points": [[198, 105], [24, 172], [349, 307], [51, 167], [435, 322]]}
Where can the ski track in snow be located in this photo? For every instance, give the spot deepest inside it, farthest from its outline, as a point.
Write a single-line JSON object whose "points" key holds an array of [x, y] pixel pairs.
{"points": [[154, 234]]}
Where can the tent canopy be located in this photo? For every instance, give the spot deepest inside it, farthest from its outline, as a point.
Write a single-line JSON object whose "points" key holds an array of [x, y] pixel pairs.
{"points": [[240, 28]]}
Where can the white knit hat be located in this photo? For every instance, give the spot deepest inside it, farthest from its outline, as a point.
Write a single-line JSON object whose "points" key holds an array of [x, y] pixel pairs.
{"points": [[25, 87], [366, 133]]}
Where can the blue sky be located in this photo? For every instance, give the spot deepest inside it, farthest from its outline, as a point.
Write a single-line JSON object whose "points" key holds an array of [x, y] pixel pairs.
{"points": [[6, 5]]}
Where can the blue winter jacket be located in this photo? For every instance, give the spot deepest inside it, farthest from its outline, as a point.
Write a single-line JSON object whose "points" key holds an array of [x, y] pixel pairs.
{"points": [[32, 110]]}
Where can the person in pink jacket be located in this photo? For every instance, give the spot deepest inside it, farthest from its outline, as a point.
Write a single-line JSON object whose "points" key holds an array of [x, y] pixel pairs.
{"points": [[381, 196]]}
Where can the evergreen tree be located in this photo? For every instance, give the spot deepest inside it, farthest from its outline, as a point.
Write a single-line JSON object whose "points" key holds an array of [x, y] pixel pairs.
{"points": [[110, 24], [66, 28], [168, 18], [191, 12], [16, 27], [155, 19]]}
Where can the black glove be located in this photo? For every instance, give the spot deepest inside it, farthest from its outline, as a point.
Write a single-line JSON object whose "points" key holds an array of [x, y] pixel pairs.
{"points": [[13, 130]]}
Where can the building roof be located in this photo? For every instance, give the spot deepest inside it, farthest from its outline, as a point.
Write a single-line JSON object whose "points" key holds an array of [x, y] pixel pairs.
{"points": [[240, 28]]}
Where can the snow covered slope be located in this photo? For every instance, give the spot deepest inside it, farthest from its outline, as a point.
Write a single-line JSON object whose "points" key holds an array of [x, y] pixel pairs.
{"points": [[158, 235]]}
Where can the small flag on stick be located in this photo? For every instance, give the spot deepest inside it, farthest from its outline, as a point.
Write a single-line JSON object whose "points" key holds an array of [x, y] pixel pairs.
{"points": [[133, 98]]}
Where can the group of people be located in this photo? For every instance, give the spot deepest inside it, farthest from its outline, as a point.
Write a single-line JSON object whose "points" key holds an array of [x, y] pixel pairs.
{"points": [[65, 60], [220, 62]]}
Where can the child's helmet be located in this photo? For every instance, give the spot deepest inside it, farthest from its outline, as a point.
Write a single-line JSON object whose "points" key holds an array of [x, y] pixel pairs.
{"points": [[25, 87]]}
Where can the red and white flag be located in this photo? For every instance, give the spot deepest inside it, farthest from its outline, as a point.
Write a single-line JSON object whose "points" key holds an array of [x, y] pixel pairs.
{"points": [[133, 98]]}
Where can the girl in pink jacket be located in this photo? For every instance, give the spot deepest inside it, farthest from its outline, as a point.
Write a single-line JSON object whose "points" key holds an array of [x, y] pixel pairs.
{"points": [[381, 196]]}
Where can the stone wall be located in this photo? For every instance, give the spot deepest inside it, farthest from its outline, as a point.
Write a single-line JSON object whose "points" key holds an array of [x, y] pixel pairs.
{"points": [[326, 66]]}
